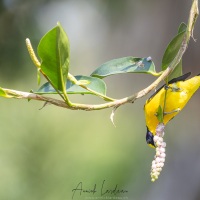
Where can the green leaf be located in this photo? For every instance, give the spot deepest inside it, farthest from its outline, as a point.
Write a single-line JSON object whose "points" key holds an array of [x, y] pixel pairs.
{"points": [[182, 27], [176, 72], [160, 114], [95, 84], [3, 93], [125, 65], [53, 50], [172, 50]]}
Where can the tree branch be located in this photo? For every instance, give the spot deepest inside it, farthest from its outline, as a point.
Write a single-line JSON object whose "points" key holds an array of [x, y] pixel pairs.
{"points": [[115, 103]]}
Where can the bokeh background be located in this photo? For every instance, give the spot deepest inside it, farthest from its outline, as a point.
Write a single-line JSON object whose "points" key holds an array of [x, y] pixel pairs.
{"points": [[44, 154]]}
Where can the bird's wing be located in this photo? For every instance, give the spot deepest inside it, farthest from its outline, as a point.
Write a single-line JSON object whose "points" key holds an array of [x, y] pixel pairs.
{"points": [[174, 80]]}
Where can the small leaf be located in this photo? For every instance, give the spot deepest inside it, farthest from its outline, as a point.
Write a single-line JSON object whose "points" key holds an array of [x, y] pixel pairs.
{"points": [[172, 50], [160, 114], [3, 93], [182, 27], [95, 84], [125, 65], [53, 50]]}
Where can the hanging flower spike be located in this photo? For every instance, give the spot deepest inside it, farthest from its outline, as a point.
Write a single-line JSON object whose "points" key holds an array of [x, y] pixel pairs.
{"points": [[159, 158]]}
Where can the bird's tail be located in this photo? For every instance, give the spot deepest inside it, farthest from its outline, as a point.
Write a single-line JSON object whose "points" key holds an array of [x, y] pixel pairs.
{"points": [[199, 78]]}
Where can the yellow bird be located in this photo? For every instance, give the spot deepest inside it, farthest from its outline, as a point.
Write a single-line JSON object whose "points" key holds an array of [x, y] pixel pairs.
{"points": [[175, 94]]}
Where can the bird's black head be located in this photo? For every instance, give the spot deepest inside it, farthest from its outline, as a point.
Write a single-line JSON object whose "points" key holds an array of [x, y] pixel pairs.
{"points": [[149, 138]]}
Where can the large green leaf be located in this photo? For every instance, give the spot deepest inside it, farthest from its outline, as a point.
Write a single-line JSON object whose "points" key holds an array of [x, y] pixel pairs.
{"points": [[172, 50], [95, 84], [53, 50], [125, 65], [178, 71]]}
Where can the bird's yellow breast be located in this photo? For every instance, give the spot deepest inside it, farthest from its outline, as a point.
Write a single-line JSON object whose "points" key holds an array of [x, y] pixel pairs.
{"points": [[177, 95]]}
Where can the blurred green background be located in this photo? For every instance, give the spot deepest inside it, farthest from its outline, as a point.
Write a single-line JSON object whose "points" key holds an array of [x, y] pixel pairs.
{"points": [[45, 154]]}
